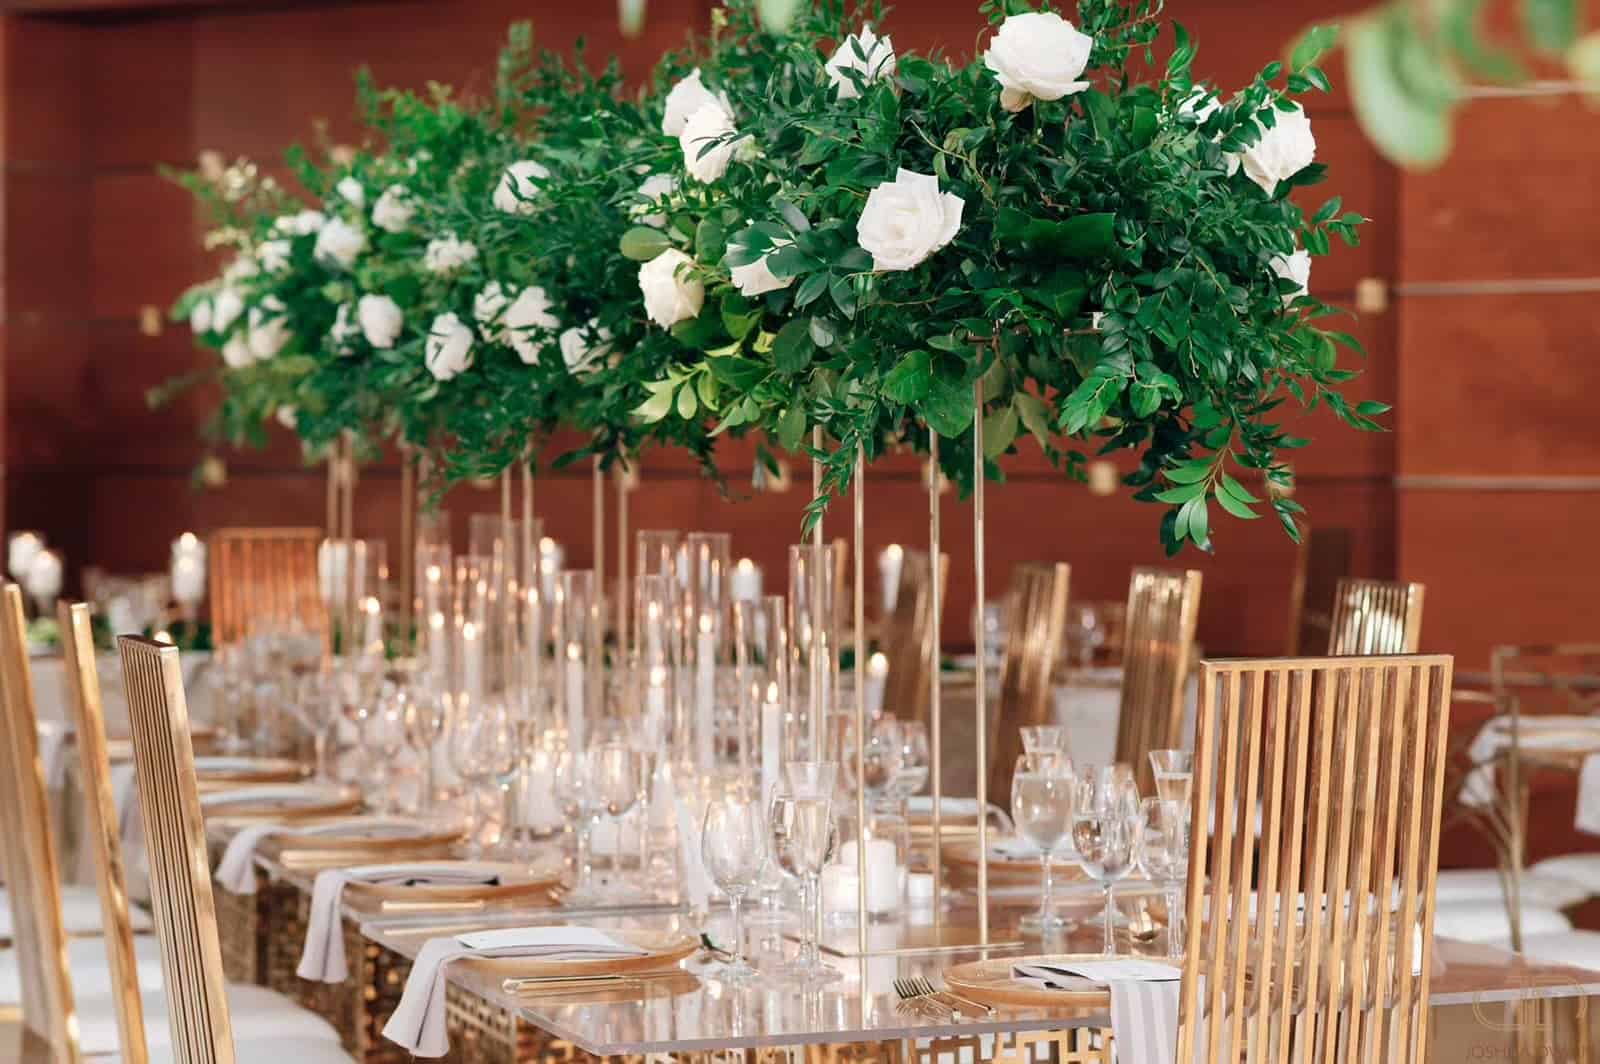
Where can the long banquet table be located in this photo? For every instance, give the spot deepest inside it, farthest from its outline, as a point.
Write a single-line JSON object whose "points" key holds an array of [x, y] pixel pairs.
{"points": [[1474, 985]]}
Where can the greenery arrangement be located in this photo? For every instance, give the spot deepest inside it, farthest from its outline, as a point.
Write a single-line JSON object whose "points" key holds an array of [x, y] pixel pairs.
{"points": [[797, 230]]}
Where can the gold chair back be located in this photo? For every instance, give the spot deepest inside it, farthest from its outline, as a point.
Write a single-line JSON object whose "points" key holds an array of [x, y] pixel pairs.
{"points": [[1157, 646], [1325, 788], [264, 574], [94, 761], [28, 848], [1036, 620], [180, 876], [1375, 617], [1322, 560], [908, 636]]}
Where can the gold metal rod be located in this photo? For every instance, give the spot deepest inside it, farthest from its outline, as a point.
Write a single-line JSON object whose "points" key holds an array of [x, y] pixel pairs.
{"points": [[347, 509], [936, 688], [820, 622], [859, 495], [408, 549], [331, 522], [981, 713], [624, 605], [598, 484]]}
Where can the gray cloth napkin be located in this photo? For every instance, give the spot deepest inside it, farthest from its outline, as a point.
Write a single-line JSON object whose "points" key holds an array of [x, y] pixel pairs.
{"points": [[1144, 1001], [322, 957], [418, 1022], [236, 870]]}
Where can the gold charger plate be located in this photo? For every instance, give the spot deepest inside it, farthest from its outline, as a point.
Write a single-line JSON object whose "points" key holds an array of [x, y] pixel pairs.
{"points": [[220, 772], [666, 949], [516, 882], [279, 801], [961, 861], [332, 848], [990, 983]]}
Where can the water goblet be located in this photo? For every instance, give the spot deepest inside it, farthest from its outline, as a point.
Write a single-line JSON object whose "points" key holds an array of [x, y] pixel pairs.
{"points": [[803, 840], [1105, 827], [911, 773], [1164, 856], [1044, 739], [427, 715], [580, 803], [733, 845], [1172, 770], [481, 743], [385, 737], [1041, 808]]}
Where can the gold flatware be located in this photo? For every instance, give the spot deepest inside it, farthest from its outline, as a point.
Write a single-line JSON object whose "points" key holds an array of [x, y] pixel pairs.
{"points": [[926, 987], [913, 996]]}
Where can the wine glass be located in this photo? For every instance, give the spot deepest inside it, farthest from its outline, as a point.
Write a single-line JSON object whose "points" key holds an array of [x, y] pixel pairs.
{"points": [[385, 737], [803, 841], [616, 784], [481, 743], [1041, 807], [1087, 632], [911, 774], [581, 804], [1172, 770], [733, 846], [427, 715], [1105, 828], [1164, 856], [1044, 739]]}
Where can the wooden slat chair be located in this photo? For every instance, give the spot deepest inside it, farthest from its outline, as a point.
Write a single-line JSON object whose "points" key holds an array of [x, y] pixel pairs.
{"points": [[1036, 619], [1157, 648], [1344, 758], [199, 1003], [1322, 560], [264, 574], [908, 638], [1375, 617], [39, 958]]}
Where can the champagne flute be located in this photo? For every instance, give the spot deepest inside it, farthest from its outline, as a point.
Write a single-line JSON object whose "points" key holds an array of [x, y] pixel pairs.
{"points": [[616, 782], [733, 846], [1041, 807], [1105, 827], [1164, 856], [803, 841], [481, 742], [427, 716], [1172, 770], [580, 804]]}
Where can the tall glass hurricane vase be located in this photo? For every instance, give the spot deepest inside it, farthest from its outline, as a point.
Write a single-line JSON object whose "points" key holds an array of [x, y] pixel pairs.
{"points": [[579, 649], [707, 643], [813, 648]]}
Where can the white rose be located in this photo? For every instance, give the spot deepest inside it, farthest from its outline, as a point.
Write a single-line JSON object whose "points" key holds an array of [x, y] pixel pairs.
{"points": [[268, 328], [578, 353], [1037, 56], [200, 317], [757, 278], [879, 61], [351, 192], [286, 416], [906, 220], [685, 98], [236, 353], [43, 578], [1296, 268], [530, 311], [1283, 151], [381, 320], [518, 185], [1200, 104], [448, 253], [304, 223], [487, 307], [345, 329], [226, 308], [240, 269], [273, 255], [394, 209], [710, 124], [448, 350], [668, 297], [655, 186], [339, 242]]}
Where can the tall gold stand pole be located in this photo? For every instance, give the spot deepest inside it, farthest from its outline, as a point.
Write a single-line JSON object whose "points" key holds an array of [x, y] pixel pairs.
{"points": [[624, 603], [408, 549], [347, 521], [982, 711], [936, 687], [598, 484], [330, 524], [859, 495]]}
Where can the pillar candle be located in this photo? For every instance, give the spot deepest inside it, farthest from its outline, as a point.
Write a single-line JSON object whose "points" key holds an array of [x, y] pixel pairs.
{"points": [[883, 874], [705, 689], [575, 706], [877, 672], [890, 560], [771, 741], [472, 664], [745, 584]]}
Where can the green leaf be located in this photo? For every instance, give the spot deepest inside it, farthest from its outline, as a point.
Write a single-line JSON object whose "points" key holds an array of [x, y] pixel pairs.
{"points": [[1062, 293], [999, 431], [1584, 60], [739, 374], [1081, 237], [1232, 505], [1144, 397], [793, 348], [687, 403], [1190, 472], [947, 409], [1197, 523], [908, 381], [1410, 126], [1237, 490], [1031, 409], [739, 315], [792, 427], [1552, 25], [710, 240], [1182, 493], [654, 408], [642, 243], [1313, 44]]}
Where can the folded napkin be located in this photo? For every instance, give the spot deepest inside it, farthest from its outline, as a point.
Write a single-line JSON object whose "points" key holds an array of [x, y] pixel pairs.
{"points": [[1541, 732], [236, 870], [1144, 1001], [322, 957], [1588, 818], [418, 1022]]}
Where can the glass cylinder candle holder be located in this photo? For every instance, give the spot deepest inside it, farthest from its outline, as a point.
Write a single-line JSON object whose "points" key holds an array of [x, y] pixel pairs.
{"points": [[655, 660], [578, 650], [434, 612], [813, 649], [352, 574], [707, 646], [470, 621], [761, 655], [655, 555]]}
